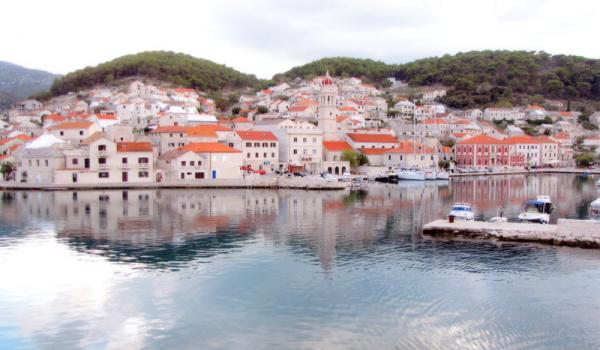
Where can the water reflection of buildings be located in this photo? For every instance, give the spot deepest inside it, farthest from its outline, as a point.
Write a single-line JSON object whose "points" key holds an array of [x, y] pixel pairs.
{"points": [[161, 226]]}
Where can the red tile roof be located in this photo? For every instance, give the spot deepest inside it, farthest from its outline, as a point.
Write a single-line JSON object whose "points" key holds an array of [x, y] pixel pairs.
{"points": [[134, 147], [72, 125], [169, 129], [209, 147], [297, 108], [336, 146], [256, 135], [373, 138], [481, 140]]}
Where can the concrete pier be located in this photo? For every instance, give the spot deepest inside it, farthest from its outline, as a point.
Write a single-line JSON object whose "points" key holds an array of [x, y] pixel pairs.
{"points": [[573, 233]]}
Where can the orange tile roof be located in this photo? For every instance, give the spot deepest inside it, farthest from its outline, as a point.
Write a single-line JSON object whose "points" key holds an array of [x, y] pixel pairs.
{"points": [[208, 130], [209, 147], [297, 108], [374, 138], [72, 125], [169, 129], [240, 120], [106, 116], [562, 135], [256, 135], [3, 157], [341, 118], [481, 140], [521, 140], [434, 121], [184, 90], [134, 147], [346, 109], [55, 117], [336, 146]]}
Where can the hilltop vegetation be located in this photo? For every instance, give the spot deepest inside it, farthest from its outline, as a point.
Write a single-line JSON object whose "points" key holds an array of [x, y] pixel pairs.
{"points": [[18, 82], [180, 69], [345, 67], [492, 77]]}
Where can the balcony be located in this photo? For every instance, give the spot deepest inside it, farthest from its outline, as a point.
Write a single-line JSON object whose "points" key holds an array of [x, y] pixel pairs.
{"points": [[143, 165]]}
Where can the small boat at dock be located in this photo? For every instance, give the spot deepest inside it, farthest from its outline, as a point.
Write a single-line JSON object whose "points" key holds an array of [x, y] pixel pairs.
{"points": [[462, 211], [537, 210]]}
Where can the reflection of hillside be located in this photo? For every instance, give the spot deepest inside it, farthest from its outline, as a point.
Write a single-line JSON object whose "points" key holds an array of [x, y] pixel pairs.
{"points": [[168, 227]]}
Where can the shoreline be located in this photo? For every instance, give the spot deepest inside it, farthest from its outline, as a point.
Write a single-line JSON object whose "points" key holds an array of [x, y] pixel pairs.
{"points": [[248, 183]]}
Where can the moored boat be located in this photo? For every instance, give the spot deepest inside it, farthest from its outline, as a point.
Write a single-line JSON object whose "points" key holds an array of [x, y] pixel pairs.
{"points": [[462, 211], [595, 210], [537, 210], [442, 175], [411, 175]]}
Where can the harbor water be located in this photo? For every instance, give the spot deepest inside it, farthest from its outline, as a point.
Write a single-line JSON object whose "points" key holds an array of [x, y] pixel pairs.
{"points": [[291, 269]]}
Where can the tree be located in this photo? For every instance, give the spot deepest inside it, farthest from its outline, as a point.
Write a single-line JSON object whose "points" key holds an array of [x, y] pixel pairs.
{"points": [[355, 158], [444, 164], [585, 159], [262, 110], [235, 110], [7, 169]]}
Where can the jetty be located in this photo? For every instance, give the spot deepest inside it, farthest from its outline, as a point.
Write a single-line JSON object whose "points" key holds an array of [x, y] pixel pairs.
{"points": [[567, 232]]}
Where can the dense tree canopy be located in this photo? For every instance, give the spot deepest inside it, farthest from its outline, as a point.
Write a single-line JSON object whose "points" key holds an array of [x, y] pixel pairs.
{"points": [[491, 77], [369, 70], [180, 69]]}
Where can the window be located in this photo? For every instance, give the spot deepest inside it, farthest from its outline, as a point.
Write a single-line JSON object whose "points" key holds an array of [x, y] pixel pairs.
{"points": [[46, 161], [248, 144], [265, 144], [74, 161], [192, 163], [37, 162], [183, 163], [143, 174], [304, 140], [295, 151], [314, 140], [124, 160], [102, 160], [273, 155], [81, 132], [295, 139], [103, 175], [248, 155], [62, 133], [101, 148], [264, 155], [143, 160], [256, 155], [273, 144], [257, 144]]}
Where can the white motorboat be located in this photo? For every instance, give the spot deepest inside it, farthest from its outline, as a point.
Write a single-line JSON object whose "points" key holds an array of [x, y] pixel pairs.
{"points": [[442, 175], [595, 210], [537, 210], [411, 174], [462, 211], [430, 175]]}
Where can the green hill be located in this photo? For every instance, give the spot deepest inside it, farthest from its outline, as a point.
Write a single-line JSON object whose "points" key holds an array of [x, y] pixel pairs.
{"points": [[490, 77], [18, 82], [369, 70], [180, 69]]}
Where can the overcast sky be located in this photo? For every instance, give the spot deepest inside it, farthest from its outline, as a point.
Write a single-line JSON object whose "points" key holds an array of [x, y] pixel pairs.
{"points": [[266, 37]]}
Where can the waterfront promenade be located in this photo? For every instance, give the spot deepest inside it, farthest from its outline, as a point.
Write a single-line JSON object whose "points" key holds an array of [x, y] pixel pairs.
{"points": [[309, 183]]}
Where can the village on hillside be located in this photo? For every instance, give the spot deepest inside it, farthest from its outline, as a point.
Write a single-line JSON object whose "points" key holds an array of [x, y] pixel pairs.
{"points": [[147, 133]]}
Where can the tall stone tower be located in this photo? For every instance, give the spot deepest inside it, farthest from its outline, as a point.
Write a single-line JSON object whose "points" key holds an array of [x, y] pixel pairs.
{"points": [[327, 109]]}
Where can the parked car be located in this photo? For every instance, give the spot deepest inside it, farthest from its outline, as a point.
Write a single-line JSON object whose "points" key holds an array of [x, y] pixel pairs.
{"points": [[299, 174]]}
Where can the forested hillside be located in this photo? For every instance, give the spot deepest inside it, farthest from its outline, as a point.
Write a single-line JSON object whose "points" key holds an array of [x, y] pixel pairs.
{"points": [[368, 70], [488, 77], [180, 69]]}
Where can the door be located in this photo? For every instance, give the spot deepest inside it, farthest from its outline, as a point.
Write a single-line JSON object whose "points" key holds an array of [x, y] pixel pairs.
{"points": [[86, 163], [74, 177], [124, 176], [214, 174]]}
